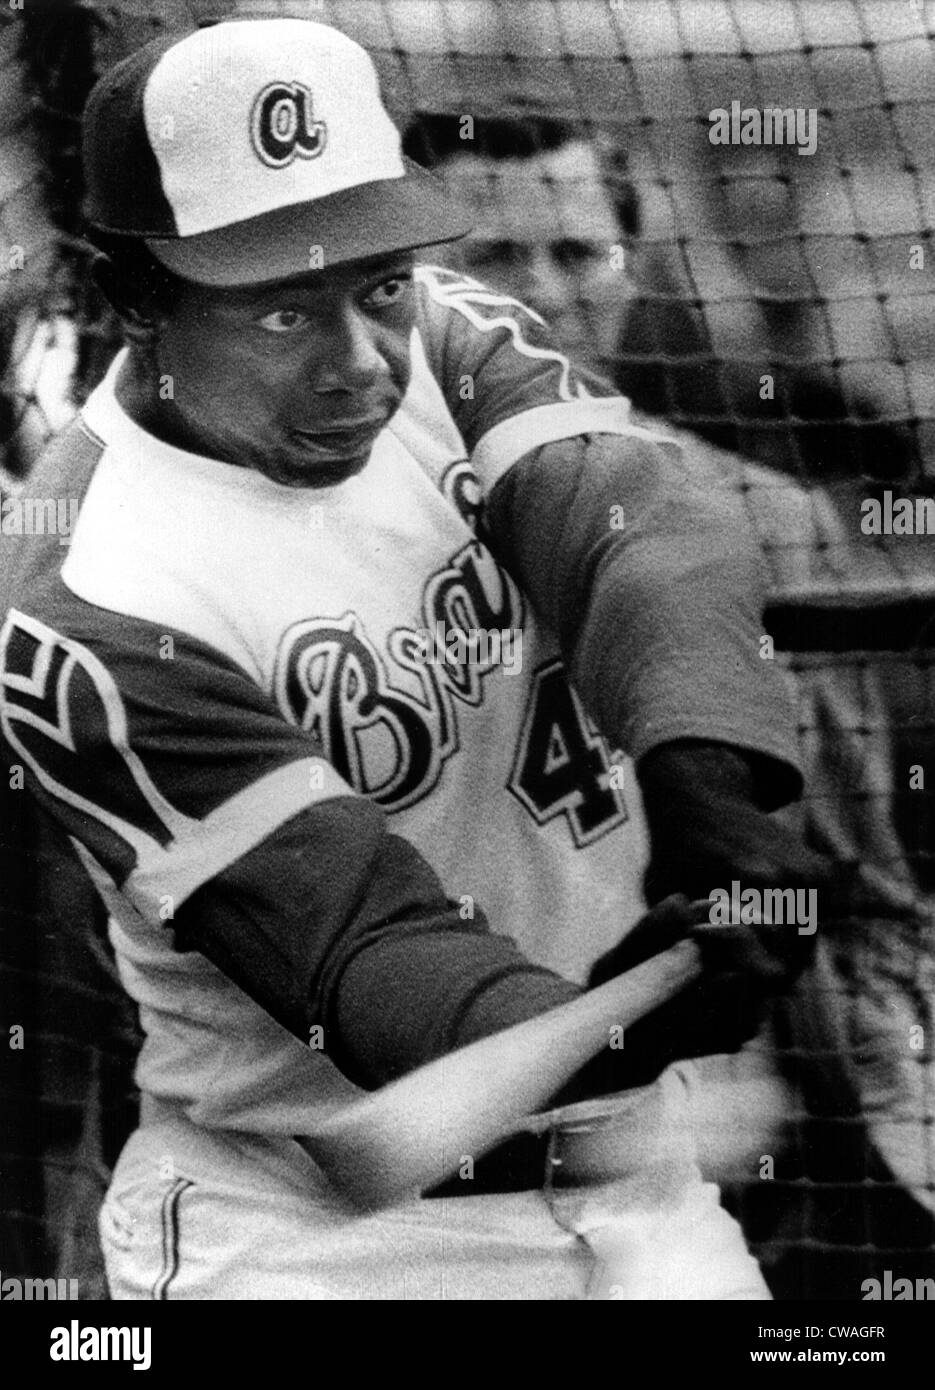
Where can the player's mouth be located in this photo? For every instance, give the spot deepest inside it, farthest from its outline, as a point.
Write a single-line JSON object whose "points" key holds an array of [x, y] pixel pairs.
{"points": [[344, 442]]}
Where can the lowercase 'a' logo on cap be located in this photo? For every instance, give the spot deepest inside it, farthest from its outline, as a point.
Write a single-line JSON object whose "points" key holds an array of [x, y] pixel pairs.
{"points": [[282, 124]]}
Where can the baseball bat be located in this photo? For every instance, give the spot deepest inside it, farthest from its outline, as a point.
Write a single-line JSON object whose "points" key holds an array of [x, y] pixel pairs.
{"points": [[392, 1144]]}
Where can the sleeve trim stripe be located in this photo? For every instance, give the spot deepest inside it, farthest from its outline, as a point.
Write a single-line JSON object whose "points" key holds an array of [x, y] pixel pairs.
{"points": [[190, 850], [497, 451], [207, 847], [230, 831]]}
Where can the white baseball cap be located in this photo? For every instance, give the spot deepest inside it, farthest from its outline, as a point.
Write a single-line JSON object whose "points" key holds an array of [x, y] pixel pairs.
{"points": [[255, 150]]}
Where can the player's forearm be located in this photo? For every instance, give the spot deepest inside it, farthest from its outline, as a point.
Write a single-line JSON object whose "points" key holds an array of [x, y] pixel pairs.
{"points": [[653, 590], [408, 998], [335, 922]]}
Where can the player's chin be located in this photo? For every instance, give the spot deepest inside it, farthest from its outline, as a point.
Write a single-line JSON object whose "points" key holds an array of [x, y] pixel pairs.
{"points": [[298, 471]]}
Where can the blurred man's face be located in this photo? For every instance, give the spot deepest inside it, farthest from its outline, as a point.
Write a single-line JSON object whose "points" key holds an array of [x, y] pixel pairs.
{"points": [[544, 232]]}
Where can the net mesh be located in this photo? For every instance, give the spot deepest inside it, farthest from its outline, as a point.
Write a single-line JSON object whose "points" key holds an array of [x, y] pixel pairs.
{"points": [[772, 306]]}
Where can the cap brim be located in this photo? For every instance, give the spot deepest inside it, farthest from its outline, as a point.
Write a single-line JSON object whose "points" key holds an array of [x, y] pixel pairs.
{"points": [[372, 219]]}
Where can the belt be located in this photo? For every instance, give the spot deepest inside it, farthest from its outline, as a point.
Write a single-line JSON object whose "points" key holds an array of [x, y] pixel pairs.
{"points": [[533, 1159], [520, 1164]]}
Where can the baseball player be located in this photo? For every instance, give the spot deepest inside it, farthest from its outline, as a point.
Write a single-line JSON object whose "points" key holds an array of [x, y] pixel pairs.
{"points": [[378, 623]]}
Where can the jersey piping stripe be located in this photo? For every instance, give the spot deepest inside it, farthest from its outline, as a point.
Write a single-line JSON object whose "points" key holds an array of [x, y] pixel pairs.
{"points": [[170, 1237], [497, 451], [466, 296]]}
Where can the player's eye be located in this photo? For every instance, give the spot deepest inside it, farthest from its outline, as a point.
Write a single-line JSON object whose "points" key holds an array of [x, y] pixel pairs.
{"points": [[283, 321], [388, 292]]}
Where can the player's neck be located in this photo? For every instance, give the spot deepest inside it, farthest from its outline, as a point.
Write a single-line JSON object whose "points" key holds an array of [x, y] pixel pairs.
{"points": [[137, 393]]}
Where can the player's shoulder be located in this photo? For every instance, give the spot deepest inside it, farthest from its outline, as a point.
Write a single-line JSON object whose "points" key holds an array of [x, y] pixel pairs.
{"points": [[473, 334], [63, 469], [38, 516], [450, 299]]}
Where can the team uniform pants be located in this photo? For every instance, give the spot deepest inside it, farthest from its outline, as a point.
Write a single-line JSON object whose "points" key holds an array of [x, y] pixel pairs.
{"points": [[199, 1214]]}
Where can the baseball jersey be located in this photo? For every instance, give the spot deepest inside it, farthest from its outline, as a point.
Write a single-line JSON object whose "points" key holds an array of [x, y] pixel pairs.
{"points": [[210, 657]]}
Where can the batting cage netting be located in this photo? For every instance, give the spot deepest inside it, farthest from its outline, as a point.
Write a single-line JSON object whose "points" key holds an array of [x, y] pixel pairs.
{"points": [[769, 301]]}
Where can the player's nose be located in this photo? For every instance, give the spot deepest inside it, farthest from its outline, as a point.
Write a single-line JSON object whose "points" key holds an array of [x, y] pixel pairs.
{"points": [[351, 359], [548, 290]]}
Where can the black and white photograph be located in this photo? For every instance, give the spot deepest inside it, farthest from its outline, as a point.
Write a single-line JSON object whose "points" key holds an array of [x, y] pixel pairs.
{"points": [[467, 660]]}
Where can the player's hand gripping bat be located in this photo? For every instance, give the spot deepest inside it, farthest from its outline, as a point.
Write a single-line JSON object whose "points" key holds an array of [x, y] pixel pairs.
{"points": [[389, 1145]]}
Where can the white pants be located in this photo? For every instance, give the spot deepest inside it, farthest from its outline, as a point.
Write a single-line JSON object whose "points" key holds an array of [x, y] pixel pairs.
{"points": [[198, 1214]]}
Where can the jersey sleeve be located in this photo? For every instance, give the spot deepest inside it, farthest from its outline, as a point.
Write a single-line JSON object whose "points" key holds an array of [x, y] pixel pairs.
{"points": [[197, 809], [648, 574], [507, 384], [653, 587]]}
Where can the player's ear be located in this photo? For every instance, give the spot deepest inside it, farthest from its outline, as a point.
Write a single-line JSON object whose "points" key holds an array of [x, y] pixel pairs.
{"points": [[138, 317]]}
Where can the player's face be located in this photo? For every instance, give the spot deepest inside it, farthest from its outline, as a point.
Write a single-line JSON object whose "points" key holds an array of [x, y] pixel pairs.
{"points": [[294, 379], [544, 232]]}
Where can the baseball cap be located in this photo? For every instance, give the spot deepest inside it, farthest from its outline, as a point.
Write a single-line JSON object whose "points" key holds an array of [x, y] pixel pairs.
{"points": [[254, 150]]}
